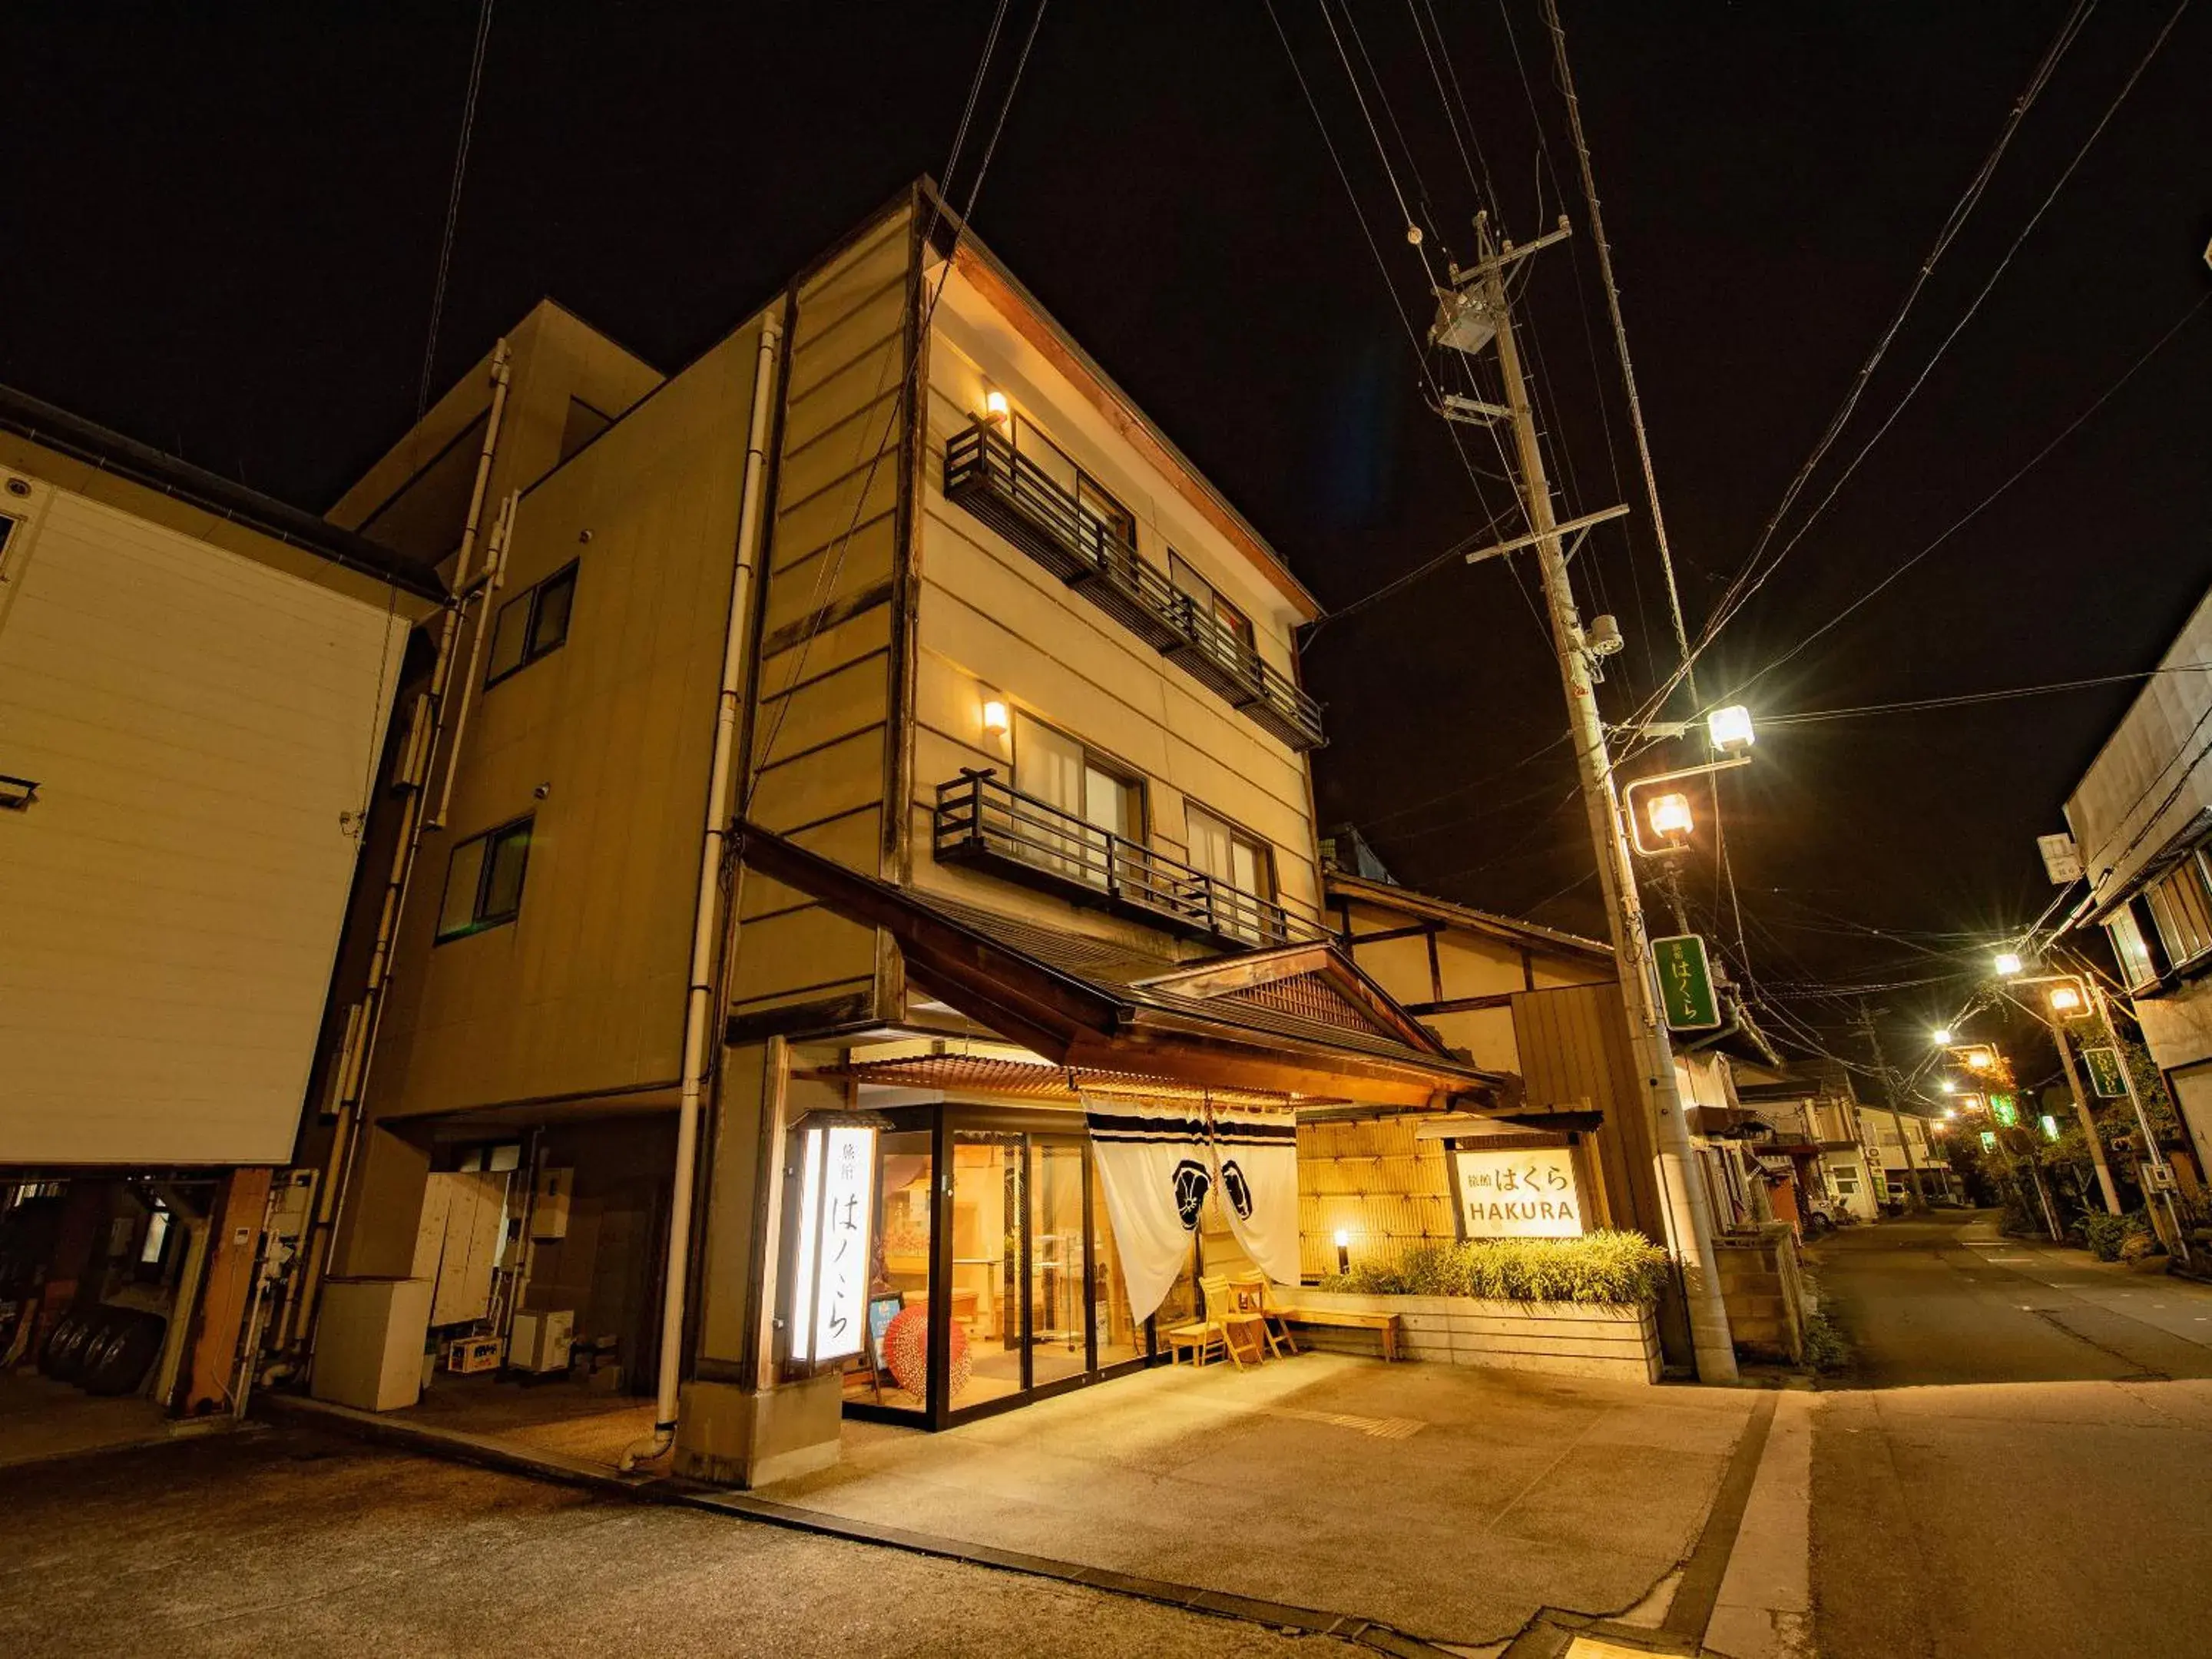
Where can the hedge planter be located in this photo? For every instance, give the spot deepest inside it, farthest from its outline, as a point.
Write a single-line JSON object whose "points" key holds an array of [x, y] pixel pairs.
{"points": [[1617, 1341]]}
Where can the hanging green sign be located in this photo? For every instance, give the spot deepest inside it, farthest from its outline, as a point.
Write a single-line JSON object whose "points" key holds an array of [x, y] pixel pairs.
{"points": [[2005, 1109], [1686, 983], [1988, 1140], [2104, 1074]]}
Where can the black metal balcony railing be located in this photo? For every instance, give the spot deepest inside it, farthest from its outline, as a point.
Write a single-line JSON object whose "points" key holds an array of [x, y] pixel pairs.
{"points": [[986, 823], [986, 473]]}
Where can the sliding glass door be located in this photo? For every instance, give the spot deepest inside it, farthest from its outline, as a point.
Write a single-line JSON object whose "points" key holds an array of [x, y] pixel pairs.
{"points": [[1024, 1294]]}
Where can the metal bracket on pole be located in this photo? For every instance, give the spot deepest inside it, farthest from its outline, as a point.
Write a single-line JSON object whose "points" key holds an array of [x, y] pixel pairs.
{"points": [[1470, 411], [1583, 523], [1461, 276]]}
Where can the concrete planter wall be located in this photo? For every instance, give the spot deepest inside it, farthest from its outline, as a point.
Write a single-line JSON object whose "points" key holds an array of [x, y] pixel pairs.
{"points": [[1565, 1338]]}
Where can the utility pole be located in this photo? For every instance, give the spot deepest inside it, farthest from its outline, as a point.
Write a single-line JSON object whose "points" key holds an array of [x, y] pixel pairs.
{"points": [[2176, 1241], [1681, 1184], [1889, 1099], [2088, 1119]]}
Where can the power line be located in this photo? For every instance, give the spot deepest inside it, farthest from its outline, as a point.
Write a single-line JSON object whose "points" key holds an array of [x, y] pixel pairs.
{"points": [[1961, 212], [1397, 303], [454, 205], [1966, 699], [1726, 607], [826, 578], [1974, 305], [1982, 506]]}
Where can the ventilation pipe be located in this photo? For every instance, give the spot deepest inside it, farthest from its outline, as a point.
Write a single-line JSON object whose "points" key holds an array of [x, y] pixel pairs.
{"points": [[416, 761], [699, 1006]]}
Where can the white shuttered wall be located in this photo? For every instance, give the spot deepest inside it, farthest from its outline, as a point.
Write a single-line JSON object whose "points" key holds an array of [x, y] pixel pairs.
{"points": [[197, 723]]}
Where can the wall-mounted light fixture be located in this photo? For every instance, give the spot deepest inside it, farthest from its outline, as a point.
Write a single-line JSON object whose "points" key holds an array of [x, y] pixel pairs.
{"points": [[1343, 1250], [996, 721], [995, 406]]}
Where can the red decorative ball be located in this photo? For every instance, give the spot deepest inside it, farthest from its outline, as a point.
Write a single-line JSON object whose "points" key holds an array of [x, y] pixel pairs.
{"points": [[906, 1351]]}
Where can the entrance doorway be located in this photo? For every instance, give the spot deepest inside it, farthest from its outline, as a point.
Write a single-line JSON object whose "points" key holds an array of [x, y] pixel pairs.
{"points": [[996, 1280]]}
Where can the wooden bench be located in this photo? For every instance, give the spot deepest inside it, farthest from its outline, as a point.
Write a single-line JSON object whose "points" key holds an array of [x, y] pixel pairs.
{"points": [[1387, 1323]]}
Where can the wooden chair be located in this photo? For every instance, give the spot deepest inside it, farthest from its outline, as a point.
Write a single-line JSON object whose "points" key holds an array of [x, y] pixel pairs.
{"points": [[1244, 1328], [1256, 1294], [1200, 1338]]}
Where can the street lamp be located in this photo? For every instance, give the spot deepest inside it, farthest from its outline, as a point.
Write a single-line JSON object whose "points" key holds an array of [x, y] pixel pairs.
{"points": [[1730, 729], [2007, 964], [1949, 1086], [1669, 816], [2065, 998], [1943, 1036]]}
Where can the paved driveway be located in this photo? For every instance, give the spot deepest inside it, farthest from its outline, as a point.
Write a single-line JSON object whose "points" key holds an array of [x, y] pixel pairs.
{"points": [[1452, 1503], [288, 1541]]}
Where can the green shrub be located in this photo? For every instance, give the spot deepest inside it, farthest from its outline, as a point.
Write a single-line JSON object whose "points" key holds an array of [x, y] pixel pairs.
{"points": [[1607, 1267], [2119, 1238]]}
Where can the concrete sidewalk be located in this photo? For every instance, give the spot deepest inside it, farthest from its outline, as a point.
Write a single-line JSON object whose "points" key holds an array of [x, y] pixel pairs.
{"points": [[1451, 1504]]}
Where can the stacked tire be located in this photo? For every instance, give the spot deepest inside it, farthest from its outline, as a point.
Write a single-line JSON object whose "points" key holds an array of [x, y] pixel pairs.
{"points": [[103, 1350]]}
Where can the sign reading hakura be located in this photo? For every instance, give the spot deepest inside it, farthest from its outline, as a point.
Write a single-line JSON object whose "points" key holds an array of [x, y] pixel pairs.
{"points": [[1532, 1194]]}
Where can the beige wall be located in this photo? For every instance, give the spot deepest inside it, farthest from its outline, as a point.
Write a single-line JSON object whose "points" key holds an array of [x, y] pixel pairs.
{"points": [[1469, 963], [416, 496], [822, 729], [202, 725], [993, 622], [583, 993]]}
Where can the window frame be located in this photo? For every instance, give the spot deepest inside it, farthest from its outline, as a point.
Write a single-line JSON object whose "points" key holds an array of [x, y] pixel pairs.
{"points": [[1187, 578], [2163, 897], [481, 922], [1263, 862], [1093, 760], [2126, 913], [534, 598]]}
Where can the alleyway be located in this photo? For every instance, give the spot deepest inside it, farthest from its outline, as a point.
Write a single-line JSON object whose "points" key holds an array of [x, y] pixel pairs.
{"points": [[2018, 1462]]}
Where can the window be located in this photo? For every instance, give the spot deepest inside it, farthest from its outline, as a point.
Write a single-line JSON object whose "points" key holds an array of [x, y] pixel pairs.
{"points": [[2137, 967], [1208, 603], [1237, 860], [1057, 771], [530, 624], [483, 883], [2183, 910]]}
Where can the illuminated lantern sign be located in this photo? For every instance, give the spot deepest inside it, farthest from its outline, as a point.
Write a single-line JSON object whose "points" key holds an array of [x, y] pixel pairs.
{"points": [[2005, 1109], [836, 1243], [1524, 1195]]}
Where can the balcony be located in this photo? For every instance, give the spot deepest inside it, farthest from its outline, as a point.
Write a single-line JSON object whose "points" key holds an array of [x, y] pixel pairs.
{"points": [[986, 823], [986, 473]]}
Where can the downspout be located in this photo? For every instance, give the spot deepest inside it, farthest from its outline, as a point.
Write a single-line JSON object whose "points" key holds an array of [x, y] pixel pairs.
{"points": [[706, 917], [494, 579], [416, 764]]}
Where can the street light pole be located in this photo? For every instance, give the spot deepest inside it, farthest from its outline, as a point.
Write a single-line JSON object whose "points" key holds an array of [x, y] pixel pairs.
{"points": [[2087, 1118], [1681, 1185]]}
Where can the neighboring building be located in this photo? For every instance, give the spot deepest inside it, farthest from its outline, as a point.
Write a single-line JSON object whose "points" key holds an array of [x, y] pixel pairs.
{"points": [[1816, 1119], [2142, 823], [1025, 886], [194, 682], [1544, 1006], [1894, 1158]]}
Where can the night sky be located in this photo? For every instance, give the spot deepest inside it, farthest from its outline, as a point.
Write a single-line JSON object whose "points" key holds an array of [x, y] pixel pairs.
{"points": [[223, 230]]}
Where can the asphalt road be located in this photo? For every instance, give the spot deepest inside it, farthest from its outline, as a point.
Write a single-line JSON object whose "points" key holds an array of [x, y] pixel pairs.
{"points": [[2018, 1461], [281, 1541]]}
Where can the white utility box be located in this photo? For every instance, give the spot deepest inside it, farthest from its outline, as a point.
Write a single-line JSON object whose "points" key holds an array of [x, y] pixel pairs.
{"points": [[369, 1339], [540, 1341]]}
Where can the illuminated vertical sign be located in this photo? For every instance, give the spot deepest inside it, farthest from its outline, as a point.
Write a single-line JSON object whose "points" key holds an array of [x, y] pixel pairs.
{"points": [[1686, 983], [836, 1243]]}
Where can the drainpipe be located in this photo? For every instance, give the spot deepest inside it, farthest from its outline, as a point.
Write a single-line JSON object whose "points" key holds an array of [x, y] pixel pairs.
{"points": [[706, 917], [494, 579], [416, 764]]}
